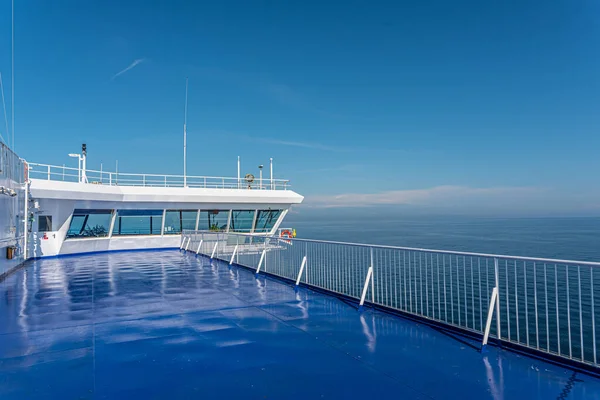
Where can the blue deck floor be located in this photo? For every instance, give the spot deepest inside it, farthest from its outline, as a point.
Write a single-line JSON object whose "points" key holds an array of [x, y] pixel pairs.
{"points": [[156, 325]]}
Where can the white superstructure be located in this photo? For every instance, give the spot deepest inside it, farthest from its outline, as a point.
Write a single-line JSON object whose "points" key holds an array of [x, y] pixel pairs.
{"points": [[74, 210]]}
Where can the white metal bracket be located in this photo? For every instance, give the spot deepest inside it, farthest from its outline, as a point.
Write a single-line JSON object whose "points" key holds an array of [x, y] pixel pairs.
{"points": [[233, 255], [488, 324], [199, 246], [214, 250], [262, 258], [301, 271], [366, 287]]}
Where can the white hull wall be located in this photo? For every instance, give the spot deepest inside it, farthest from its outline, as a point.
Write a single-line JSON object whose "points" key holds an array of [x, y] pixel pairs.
{"points": [[60, 199], [77, 246]]}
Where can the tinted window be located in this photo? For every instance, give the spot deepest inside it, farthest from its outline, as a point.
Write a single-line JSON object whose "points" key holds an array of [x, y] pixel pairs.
{"points": [[241, 220], [177, 220], [213, 220], [138, 222], [266, 219], [45, 223], [90, 223]]}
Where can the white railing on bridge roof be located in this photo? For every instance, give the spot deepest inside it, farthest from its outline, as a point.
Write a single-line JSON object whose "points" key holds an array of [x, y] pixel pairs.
{"points": [[546, 305], [69, 174]]}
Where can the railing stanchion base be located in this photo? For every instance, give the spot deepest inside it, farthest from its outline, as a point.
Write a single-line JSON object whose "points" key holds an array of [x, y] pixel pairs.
{"points": [[214, 250], [365, 289], [233, 255], [301, 271], [262, 258], [488, 323]]}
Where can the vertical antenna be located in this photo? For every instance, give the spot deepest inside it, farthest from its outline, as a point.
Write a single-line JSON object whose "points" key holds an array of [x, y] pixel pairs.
{"points": [[5, 116], [239, 182], [185, 136], [12, 86], [271, 174]]}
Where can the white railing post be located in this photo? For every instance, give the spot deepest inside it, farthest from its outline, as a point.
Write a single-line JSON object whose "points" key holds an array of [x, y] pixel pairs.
{"points": [[214, 250], [262, 258], [233, 255], [488, 324], [372, 279], [199, 246], [182, 242], [188, 243], [497, 284], [366, 287], [110, 178], [48, 172], [301, 271]]}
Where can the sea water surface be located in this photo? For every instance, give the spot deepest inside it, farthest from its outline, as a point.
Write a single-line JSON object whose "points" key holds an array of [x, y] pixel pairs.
{"points": [[548, 305], [564, 238]]}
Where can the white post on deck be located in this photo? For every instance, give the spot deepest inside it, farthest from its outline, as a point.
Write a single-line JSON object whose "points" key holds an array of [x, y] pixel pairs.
{"points": [[188, 243], [233, 255], [366, 287], [182, 242], [497, 283], [372, 280], [494, 303], [262, 258], [239, 173], [214, 250], [301, 271], [488, 324], [199, 246]]}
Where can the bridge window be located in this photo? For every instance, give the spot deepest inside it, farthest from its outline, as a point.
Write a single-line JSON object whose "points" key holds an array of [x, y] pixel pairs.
{"points": [[241, 220], [138, 222], [213, 220], [266, 219], [178, 220], [89, 224], [45, 223]]}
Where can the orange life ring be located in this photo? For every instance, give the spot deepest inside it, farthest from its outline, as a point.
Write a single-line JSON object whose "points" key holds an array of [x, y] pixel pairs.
{"points": [[286, 233]]}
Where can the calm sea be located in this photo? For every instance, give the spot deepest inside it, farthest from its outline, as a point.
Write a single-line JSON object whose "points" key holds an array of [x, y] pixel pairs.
{"points": [[565, 238], [545, 305]]}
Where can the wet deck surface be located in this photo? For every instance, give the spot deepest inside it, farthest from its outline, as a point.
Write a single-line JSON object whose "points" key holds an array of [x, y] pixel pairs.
{"points": [[155, 325]]}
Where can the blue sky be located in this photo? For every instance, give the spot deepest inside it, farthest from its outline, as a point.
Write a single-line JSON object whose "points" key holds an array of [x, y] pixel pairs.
{"points": [[462, 103]]}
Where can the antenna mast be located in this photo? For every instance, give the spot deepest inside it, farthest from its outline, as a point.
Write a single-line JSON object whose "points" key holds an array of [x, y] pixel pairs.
{"points": [[185, 136], [12, 73]]}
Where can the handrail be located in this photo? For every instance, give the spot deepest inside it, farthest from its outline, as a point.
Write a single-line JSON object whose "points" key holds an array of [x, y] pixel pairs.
{"points": [[452, 252], [63, 173], [539, 304]]}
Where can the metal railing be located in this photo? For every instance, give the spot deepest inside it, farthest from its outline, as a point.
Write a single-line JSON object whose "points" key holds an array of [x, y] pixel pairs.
{"points": [[542, 304], [11, 166], [69, 174]]}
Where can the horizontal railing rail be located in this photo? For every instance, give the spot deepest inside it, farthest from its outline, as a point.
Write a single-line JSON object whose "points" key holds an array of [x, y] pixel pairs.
{"points": [[70, 174], [542, 304]]}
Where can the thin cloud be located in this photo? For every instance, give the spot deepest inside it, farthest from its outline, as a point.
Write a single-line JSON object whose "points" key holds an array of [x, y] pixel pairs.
{"points": [[439, 195], [306, 145], [134, 64]]}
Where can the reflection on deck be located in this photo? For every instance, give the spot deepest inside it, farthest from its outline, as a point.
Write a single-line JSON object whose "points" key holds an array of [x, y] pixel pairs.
{"points": [[165, 324]]}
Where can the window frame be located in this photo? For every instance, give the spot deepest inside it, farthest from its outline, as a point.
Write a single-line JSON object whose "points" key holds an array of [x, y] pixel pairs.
{"points": [[147, 213], [48, 218]]}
